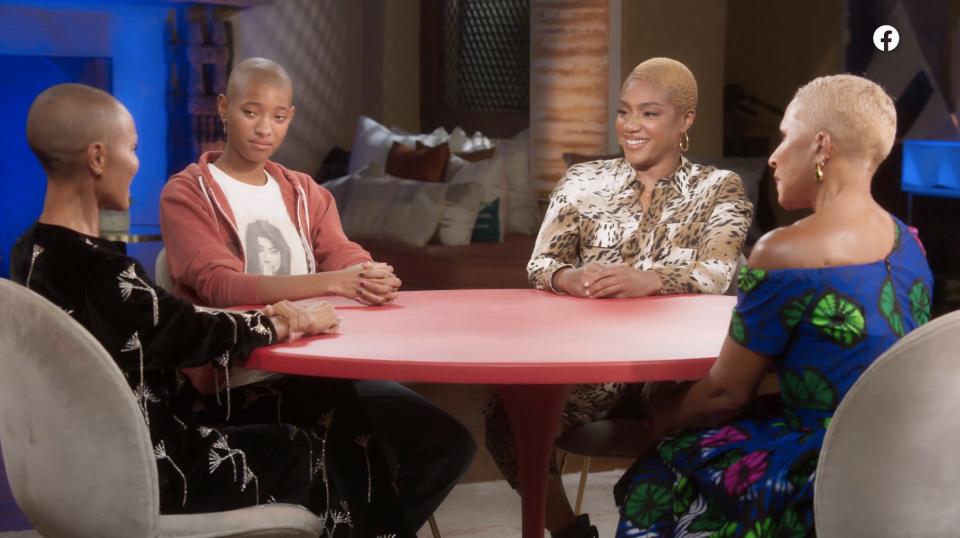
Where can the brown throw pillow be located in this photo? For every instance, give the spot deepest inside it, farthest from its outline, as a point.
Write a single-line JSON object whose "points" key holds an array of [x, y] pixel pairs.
{"points": [[421, 163]]}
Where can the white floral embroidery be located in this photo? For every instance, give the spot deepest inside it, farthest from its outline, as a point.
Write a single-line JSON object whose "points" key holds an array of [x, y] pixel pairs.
{"points": [[326, 422], [256, 324], [363, 441], [221, 452], [129, 281], [37, 251], [293, 432], [160, 453], [180, 422], [338, 517], [224, 362], [142, 392]]}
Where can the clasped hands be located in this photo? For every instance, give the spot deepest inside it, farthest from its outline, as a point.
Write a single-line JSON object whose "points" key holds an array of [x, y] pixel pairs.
{"points": [[598, 281], [368, 283]]}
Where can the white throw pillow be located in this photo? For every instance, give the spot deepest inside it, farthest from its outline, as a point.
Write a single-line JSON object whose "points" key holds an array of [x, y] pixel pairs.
{"points": [[392, 209], [459, 214], [489, 175], [459, 209], [460, 142], [370, 145], [523, 215], [434, 139], [454, 165]]}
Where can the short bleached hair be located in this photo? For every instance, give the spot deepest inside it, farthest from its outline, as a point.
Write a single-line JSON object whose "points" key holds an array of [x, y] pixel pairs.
{"points": [[856, 112], [671, 76]]}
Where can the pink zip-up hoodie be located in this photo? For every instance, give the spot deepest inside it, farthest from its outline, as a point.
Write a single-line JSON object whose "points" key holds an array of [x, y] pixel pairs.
{"points": [[203, 245]]}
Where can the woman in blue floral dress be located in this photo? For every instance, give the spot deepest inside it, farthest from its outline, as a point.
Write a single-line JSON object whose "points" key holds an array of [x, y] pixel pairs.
{"points": [[819, 302]]}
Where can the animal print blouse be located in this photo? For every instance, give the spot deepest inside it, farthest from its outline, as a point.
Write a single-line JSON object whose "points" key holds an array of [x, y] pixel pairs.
{"points": [[691, 235]]}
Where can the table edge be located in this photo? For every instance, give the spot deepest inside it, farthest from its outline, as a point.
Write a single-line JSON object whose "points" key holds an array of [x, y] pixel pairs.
{"points": [[489, 373]]}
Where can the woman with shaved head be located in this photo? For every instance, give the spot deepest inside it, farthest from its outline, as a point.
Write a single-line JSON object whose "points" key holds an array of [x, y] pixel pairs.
{"points": [[206, 208], [210, 209], [651, 222], [256, 444], [819, 302]]}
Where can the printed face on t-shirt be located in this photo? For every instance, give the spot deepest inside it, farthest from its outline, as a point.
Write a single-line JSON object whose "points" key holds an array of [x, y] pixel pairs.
{"points": [[271, 243], [267, 250], [269, 256]]}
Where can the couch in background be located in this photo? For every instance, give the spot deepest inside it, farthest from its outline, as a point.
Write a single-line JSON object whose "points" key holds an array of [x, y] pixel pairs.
{"points": [[480, 265], [447, 210]]}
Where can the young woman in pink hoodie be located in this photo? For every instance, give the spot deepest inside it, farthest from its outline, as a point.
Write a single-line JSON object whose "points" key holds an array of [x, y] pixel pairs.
{"points": [[208, 210], [241, 229]]}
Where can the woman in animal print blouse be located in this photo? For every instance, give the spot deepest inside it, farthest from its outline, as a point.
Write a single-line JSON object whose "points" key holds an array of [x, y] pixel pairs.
{"points": [[651, 222]]}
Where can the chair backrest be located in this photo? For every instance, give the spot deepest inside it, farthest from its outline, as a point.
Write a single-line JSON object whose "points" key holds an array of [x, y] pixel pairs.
{"points": [[734, 286], [890, 463], [76, 448], [162, 271]]}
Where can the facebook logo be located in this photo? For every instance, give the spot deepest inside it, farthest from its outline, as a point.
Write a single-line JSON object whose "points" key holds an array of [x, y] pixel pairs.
{"points": [[886, 38]]}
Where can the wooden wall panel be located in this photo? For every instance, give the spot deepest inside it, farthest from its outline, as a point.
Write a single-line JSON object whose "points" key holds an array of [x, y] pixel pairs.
{"points": [[569, 57]]}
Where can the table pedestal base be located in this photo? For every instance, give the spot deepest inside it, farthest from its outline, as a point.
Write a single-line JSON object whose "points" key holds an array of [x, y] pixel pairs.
{"points": [[534, 415]]}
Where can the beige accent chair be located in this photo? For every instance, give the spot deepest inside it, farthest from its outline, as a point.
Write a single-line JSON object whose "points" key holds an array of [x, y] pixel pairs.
{"points": [[76, 449], [890, 463], [162, 271]]}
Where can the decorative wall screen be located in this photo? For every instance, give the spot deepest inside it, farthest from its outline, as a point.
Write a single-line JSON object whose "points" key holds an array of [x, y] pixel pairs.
{"points": [[475, 65], [487, 60]]}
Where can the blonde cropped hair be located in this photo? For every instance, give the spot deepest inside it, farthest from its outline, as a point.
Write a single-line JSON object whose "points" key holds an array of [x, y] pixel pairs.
{"points": [[670, 75], [857, 113]]}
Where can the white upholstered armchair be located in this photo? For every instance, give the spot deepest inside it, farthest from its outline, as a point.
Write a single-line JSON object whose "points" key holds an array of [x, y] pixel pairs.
{"points": [[890, 463], [62, 398]]}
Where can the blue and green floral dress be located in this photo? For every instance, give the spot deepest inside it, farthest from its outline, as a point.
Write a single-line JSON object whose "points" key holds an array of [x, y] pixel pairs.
{"points": [[754, 477]]}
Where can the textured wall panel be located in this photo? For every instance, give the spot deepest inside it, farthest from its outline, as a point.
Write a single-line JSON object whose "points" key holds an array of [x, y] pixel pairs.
{"points": [[569, 59]]}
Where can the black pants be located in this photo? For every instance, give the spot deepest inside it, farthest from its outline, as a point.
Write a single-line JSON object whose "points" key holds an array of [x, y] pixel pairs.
{"points": [[426, 449], [417, 450]]}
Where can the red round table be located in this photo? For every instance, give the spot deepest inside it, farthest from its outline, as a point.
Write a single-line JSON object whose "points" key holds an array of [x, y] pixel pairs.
{"points": [[531, 345]]}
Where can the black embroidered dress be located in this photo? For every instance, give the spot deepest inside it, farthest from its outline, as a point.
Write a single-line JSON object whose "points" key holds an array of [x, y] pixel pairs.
{"points": [[292, 440]]}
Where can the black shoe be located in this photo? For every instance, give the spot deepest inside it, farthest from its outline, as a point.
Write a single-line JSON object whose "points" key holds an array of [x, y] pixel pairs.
{"points": [[580, 528]]}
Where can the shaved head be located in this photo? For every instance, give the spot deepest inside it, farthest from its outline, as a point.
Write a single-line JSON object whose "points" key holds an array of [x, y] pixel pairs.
{"points": [[256, 70], [66, 119]]}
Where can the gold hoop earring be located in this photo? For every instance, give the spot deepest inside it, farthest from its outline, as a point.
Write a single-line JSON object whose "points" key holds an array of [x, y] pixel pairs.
{"points": [[818, 173], [684, 142], [224, 122]]}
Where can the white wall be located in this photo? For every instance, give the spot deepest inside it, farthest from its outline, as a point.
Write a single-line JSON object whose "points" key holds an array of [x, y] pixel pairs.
{"points": [[319, 42]]}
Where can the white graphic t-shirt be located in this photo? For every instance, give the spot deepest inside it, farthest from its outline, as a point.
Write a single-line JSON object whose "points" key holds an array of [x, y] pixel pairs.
{"points": [[270, 241]]}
